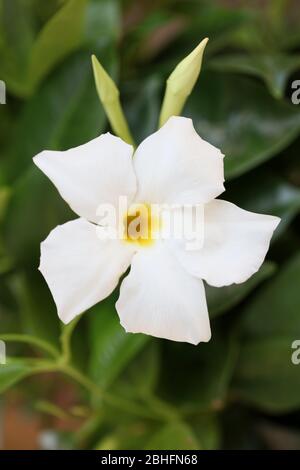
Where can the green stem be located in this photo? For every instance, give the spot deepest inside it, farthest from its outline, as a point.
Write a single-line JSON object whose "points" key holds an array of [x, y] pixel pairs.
{"points": [[65, 339], [33, 341], [109, 398]]}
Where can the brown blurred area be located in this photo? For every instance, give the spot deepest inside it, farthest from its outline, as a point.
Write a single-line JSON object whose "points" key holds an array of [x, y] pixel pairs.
{"points": [[24, 421]]}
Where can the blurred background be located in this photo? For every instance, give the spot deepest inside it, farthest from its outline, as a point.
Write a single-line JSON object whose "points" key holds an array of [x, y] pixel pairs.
{"points": [[91, 385]]}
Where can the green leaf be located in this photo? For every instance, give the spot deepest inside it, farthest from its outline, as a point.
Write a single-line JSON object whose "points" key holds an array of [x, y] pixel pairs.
{"points": [[275, 70], [111, 347], [59, 37], [174, 436], [224, 298], [207, 430], [37, 312], [16, 38], [207, 390], [266, 376], [239, 116], [140, 377], [273, 195], [50, 119], [35, 208], [142, 103]]}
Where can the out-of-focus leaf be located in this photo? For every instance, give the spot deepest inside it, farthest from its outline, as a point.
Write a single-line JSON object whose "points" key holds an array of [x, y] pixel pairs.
{"points": [[45, 120], [37, 312], [217, 22], [266, 376], [174, 436], [222, 299], [16, 38], [59, 37], [140, 377], [102, 25], [34, 210], [4, 198], [240, 117], [207, 430], [144, 371], [273, 195], [142, 104], [111, 347], [275, 70], [192, 379], [130, 435]]}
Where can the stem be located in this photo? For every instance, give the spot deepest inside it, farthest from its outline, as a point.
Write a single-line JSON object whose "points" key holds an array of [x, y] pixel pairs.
{"points": [[111, 399], [20, 338], [65, 338]]}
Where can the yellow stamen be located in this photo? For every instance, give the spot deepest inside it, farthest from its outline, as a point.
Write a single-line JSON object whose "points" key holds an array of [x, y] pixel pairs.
{"points": [[141, 225]]}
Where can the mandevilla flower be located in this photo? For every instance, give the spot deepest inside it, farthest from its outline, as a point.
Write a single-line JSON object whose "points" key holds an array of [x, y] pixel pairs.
{"points": [[163, 294]]}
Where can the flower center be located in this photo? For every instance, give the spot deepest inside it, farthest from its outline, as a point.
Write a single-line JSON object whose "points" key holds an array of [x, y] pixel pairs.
{"points": [[141, 225]]}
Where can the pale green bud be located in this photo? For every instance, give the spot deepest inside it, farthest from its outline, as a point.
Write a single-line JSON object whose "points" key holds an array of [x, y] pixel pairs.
{"points": [[181, 82], [110, 98]]}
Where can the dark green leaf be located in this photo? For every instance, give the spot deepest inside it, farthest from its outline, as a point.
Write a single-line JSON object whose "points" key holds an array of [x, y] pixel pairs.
{"points": [[222, 299], [62, 110], [239, 116], [111, 347], [275, 70], [272, 195], [266, 376], [198, 378], [37, 312]]}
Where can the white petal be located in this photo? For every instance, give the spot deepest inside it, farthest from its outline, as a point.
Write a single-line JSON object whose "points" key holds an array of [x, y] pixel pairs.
{"points": [[235, 244], [174, 165], [94, 173], [81, 269], [160, 299]]}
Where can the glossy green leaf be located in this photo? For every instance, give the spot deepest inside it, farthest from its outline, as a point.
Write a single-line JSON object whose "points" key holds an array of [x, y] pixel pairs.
{"points": [[273, 195], [266, 376], [224, 298], [51, 117], [111, 347], [59, 37], [275, 70], [239, 116]]}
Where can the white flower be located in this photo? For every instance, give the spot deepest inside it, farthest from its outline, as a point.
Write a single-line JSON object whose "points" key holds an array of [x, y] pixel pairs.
{"points": [[163, 294]]}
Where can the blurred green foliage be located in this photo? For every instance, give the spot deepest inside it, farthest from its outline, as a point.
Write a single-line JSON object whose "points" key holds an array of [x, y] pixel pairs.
{"points": [[140, 392]]}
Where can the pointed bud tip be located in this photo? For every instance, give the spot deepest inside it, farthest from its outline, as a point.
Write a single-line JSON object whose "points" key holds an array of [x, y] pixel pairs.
{"points": [[197, 53]]}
